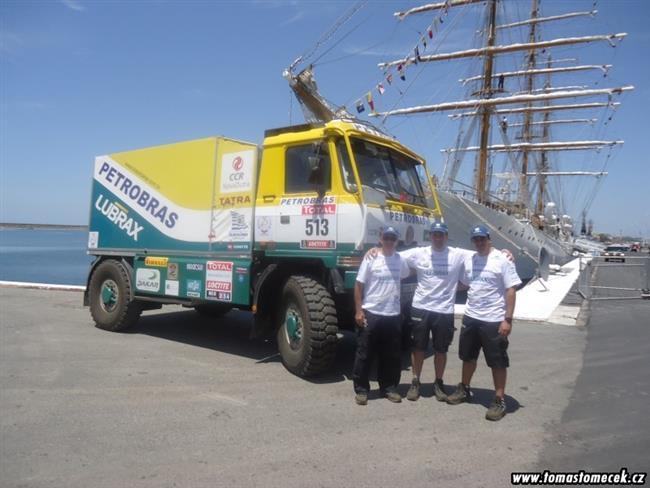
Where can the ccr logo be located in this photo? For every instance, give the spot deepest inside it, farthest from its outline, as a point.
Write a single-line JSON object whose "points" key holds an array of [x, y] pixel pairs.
{"points": [[237, 163]]}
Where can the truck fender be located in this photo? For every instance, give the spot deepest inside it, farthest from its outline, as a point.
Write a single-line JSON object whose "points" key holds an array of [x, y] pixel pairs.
{"points": [[97, 262], [262, 316]]}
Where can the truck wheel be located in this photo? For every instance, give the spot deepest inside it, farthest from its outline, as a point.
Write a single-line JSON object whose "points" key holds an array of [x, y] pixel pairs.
{"points": [[110, 297], [308, 326], [215, 310]]}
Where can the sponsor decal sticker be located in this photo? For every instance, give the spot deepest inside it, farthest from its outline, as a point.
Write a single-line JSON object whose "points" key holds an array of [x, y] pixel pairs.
{"points": [[237, 172], [232, 201], [171, 287], [237, 247], [264, 225], [317, 244], [172, 271], [408, 218], [147, 279], [238, 225], [193, 288], [328, 208], [194, 266], [157, 261], [93, 240], [308, 200], [218, 280], [110, 176], [118, 215]]}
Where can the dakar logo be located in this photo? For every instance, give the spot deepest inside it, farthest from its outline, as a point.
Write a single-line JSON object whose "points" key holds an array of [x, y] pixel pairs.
{"points": [[237, 163]]}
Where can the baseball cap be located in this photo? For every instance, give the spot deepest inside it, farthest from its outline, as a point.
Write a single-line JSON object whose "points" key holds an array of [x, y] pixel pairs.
{"points": [[480, 231], [390, 231], [439, 226]]}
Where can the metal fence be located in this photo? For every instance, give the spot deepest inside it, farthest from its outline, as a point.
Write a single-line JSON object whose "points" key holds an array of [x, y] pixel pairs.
{"points": [[615, 280]]}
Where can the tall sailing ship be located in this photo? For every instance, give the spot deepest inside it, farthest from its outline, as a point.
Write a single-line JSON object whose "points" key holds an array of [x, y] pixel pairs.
{"points": [[517, 161]]}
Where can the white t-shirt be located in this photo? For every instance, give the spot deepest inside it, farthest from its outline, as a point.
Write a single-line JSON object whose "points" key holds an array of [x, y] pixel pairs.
{"points": [[488, 278], [438, 276], [381, 278]]}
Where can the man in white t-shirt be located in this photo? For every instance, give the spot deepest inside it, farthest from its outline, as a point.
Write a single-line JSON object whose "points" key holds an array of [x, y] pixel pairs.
{"points": [[439, 269], [492, 281], [378, 318]]}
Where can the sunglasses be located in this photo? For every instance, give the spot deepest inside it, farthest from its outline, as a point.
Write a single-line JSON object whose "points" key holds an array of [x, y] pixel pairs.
{"points": [[389, 238]]}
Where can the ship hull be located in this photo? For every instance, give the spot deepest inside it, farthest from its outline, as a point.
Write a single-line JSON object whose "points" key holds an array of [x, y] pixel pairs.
{"points": [[506, 232]]}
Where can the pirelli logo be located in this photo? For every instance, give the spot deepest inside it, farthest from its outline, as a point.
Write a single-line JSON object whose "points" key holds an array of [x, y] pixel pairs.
{"points": [[157, 261]]}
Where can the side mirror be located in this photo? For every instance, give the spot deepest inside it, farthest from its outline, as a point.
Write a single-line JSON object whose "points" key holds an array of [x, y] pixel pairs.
{"points": [[315, 170]]}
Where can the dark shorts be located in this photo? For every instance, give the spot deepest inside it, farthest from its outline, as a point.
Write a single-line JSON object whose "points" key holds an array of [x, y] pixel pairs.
{"points": [[440, 326], [476, 335]]}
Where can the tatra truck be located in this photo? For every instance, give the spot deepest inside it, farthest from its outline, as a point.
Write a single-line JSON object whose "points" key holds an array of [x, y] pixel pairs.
{"points": [[278, 229]]}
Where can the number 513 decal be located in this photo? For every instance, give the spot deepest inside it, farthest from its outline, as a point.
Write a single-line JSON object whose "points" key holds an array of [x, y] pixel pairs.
{"points": [[316, 227]]}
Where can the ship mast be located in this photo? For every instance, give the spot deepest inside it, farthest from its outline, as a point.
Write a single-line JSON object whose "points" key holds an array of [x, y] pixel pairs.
{"points": [[481, 173], [530, 101], [543, 166], [528, 116]]}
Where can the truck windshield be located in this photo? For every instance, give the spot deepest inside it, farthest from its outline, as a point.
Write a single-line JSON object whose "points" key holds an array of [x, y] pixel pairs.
{"points": [[389, 171]]}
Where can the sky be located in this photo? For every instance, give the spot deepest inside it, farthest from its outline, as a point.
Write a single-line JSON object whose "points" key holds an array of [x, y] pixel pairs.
{"points": [[85, 78]]}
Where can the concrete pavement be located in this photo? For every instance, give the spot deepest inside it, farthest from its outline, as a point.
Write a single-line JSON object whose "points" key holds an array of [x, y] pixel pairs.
{"points": [[182, 401]]}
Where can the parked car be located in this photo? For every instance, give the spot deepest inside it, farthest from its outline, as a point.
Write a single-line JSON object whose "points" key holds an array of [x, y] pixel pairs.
{"points": [[616, 252]]}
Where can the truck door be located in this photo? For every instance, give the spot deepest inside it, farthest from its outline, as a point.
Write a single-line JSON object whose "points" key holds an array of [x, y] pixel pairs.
{"points": [[304, 216]]}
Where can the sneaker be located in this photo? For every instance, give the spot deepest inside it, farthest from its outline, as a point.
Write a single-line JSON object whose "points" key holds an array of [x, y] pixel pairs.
{"points": [[497, 409], [439, 391], [361, 398], [459, 396], [393, 396], [414, 391]]}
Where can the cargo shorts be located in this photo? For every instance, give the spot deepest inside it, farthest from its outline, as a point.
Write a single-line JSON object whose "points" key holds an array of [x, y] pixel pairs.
{"points": [[438, 326], [478, 334]]}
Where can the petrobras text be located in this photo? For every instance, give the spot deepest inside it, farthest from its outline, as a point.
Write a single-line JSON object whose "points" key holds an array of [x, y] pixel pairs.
{"points": [[119, 216], [409, 218], [308, 200], [135, 194]]}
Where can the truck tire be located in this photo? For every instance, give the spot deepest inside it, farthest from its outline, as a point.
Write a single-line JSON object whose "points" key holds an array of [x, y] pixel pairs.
{"points": [[307, 327], [110, 297], [210, 310]]}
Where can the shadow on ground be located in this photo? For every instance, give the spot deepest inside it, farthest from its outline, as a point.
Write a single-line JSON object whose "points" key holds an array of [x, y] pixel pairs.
{"points": [[230, 334]]}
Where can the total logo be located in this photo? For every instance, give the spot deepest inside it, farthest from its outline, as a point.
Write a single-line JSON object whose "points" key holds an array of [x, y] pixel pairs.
{"points": [[118, 214], [147, 279]]}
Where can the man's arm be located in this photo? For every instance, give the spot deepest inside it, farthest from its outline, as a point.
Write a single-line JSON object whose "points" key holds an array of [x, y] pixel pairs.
{"points": [[359, 316], [506, 326]]}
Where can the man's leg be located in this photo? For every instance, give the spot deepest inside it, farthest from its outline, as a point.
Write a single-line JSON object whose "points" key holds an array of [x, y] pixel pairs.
{"points": [[495, 349], [390, 357], [420, 342], [417, 359], [364, 355], [468, 371], [439, 363], [499, 376], [469, 346]]}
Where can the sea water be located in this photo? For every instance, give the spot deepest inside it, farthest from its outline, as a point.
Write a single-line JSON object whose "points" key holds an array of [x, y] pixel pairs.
{"points": [[44, 256]]}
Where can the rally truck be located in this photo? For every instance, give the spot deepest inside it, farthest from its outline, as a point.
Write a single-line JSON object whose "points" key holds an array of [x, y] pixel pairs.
{"points": [[277, 229]]}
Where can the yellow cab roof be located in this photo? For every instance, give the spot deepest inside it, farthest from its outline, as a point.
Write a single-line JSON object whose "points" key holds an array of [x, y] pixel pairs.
{"points": [[351, 127]]}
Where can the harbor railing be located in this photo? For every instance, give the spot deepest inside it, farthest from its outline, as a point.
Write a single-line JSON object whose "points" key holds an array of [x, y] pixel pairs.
{"points": [[615, 278]]}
